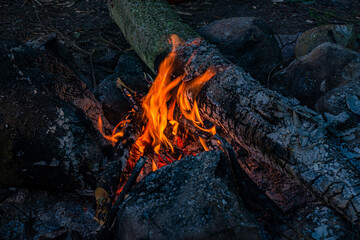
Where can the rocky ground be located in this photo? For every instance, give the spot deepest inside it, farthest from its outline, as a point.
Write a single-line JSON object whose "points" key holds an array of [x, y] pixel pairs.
{"points": [[93, 39], [60, 63]]}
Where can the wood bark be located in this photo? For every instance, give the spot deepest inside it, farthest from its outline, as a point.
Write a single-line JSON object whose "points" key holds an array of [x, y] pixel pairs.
{"points": [[272, 128]]}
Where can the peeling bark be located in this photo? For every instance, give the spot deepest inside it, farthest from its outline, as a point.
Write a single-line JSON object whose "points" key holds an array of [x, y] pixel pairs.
{"points": [[272, 128]]}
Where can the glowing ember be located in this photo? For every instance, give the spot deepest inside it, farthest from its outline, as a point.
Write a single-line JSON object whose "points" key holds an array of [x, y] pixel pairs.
{"points": [[168, 95]]}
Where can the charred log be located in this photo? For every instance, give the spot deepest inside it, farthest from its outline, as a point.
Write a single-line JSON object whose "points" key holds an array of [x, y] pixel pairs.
{"points": [[46, 139], [272, 128]]}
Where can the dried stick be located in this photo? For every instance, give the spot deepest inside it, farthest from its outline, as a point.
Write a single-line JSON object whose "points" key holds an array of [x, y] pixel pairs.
{"points": [[105, 232], [129, 184], [92, 67]]}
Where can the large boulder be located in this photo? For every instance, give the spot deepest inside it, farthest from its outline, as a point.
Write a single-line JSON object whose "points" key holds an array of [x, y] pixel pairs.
{"points": [[194, 198], [46, 139], [246, 41], [307, 78], [343, 35]]}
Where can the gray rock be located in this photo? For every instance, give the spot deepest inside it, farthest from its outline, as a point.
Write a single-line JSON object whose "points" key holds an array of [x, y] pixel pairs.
{"points": [[339, 106], [246, 41], [307, 78], [353, 103], [335, 101], [130, 70], [343, 35], [44, 141], [287, 44], [114, 103], [35, 214], [194, 198]]}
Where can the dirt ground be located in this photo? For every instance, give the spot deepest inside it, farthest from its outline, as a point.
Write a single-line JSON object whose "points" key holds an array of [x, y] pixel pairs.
{"points": [[87, 30]]}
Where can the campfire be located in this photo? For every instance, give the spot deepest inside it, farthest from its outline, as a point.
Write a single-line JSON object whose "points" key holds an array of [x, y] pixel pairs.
{"points": [[179, 133], [163, 107], [166, 113]]}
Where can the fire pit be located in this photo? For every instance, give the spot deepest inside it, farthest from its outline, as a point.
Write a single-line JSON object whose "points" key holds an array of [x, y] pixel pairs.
{"points": [[178, 142]]}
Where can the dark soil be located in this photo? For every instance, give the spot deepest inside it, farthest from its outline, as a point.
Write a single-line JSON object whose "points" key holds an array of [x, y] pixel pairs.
{"points": [[87, 30], [283, 16]]}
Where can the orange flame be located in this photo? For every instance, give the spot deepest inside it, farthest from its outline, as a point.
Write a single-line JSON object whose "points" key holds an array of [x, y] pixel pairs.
{"points": [[154, 167], [164, 94], [160, 103], [116, 134]]}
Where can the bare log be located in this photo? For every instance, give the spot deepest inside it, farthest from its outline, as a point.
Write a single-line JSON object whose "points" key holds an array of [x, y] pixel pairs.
{"points": [[272, 128]]}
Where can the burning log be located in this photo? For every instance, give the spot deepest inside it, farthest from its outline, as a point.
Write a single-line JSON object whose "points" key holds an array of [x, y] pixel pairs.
{"points": [[272, 128]]}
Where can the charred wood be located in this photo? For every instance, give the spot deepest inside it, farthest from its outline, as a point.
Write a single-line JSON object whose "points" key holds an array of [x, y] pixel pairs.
{"points": [[110, 214], [244, 184], [270, 127], [46, 140], [129, 184], [283, 212]]}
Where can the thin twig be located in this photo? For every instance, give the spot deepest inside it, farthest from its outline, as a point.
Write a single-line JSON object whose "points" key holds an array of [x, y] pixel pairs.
{"points": [[67, 40], [146, 75], [128, 185], [21, 211], [40, 4], [37, 15], [273, 69], [92, 68], [120, 83], [110, 43], [279, 39], [131, 99], [90, 54]]}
